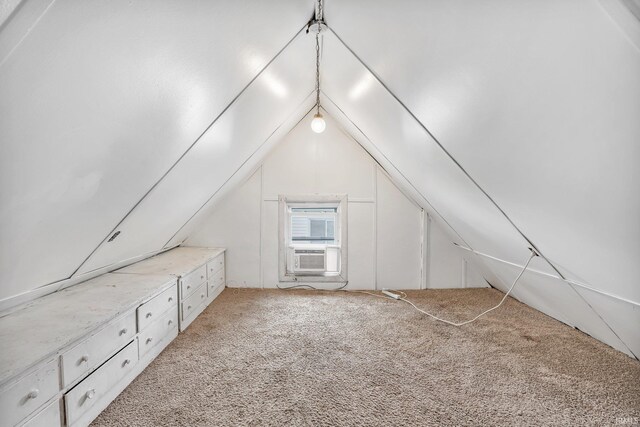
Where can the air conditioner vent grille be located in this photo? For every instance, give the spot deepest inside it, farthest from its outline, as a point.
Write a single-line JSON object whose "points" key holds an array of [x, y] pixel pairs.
{"points": [[312, 262]]}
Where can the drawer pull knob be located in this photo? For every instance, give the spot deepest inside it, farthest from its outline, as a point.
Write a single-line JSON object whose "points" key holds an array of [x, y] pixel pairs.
{"points": [[188, 307], [170, 299], [149, 314], [90, 393], [33, 393], [84, 358], [123, 331], [201, 295], [201, 277], [126, 362], [149, 340], [169, 322]]}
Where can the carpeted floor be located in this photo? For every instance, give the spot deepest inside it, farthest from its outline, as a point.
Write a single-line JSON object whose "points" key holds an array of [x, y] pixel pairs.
{"points": [[304, 358]]}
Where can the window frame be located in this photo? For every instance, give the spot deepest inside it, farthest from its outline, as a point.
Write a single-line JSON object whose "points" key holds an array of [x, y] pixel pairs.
{"points": [[340, 235]]}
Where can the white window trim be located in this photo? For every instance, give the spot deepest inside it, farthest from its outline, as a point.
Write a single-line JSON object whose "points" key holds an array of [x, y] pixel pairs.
{"points": [[283, 202]]}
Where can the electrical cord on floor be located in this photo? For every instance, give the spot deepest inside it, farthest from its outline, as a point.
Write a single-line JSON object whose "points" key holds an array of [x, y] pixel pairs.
{"points": [[403, 296], [341, 289], [305, 286], [448, 322], [357, 291]]}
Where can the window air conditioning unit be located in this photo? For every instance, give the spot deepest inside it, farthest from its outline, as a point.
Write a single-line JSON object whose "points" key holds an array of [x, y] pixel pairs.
{"points": [[309, 260]]}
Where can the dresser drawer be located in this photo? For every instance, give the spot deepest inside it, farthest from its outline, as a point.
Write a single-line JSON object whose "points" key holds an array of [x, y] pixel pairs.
{"points": [[214, 290], [216, 279], [215, 265], [90, 390], [21, 398], [194, 301], [190, 282], [90, 353], [154, 308], [48, 417], [158, 330]]}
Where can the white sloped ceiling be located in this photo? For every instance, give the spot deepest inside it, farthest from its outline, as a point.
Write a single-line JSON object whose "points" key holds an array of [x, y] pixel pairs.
{"points": [[537, 102], [99, 99], [270, 100]]}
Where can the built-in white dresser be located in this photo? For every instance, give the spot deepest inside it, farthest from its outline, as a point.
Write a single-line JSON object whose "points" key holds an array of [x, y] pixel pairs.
{"points": [[200, 273], [65, 356]]}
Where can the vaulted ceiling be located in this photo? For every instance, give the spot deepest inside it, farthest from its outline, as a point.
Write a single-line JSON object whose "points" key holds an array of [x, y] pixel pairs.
{"points": [[514, 123]]}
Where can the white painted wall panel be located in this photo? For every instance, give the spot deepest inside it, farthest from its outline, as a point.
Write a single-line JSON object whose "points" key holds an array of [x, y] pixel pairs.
{"points": [[97, 100], [399, 237], [449, 266], [362, 246], [332, 162], [444, 261], [269, 255], [235, 225], [269, 101]]}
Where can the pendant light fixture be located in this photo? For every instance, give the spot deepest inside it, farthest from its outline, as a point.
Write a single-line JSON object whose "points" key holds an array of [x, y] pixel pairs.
{"points": [[318, 124]]}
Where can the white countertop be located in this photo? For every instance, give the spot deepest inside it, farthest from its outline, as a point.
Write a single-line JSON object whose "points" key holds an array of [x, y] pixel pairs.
{"points": [[42, 327], [179, 261]]}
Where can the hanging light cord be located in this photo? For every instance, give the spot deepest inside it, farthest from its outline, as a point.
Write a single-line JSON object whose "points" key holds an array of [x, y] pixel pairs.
{"points": [[318, 72], [318, 21]]}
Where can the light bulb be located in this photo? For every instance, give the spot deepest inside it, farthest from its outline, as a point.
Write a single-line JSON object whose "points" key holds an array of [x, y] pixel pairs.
{"points": [[317, 124]]}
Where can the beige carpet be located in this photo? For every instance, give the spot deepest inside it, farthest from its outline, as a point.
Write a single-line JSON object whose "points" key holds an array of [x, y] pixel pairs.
{"points": [[306, 358]]}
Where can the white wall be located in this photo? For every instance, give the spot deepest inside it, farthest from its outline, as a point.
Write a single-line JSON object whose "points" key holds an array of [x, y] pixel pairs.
{"points": [[385, 227]]}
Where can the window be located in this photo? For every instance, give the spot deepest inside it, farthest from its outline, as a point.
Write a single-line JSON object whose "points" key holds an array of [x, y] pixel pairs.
{"points": [[313, 238], [313, 225]]}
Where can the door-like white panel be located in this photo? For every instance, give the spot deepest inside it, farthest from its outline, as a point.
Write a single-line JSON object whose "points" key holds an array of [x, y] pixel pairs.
{"points": [[276, 94], [539, 101], [98, 100], [410, 149], [473, 275], [269, 243], [362, 246], [445, 260], [555, 298], [235, 225], [399, 237]]}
